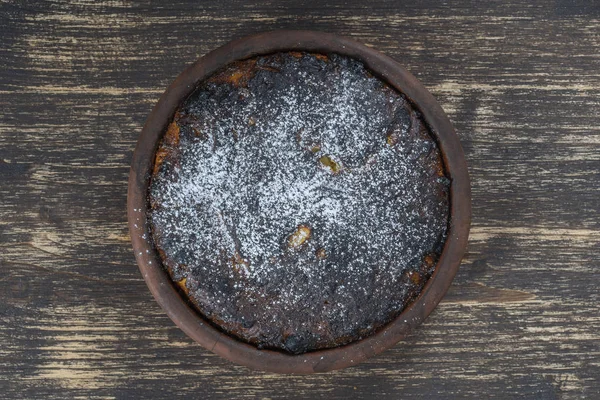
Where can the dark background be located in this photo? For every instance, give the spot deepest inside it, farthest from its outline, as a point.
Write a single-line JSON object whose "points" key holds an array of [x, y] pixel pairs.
{"points": [[521, 83]]}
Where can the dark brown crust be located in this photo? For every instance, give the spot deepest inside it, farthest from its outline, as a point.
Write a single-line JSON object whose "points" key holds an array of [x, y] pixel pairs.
{"points": [[299, 337], [236, 74], [158, 280], [168, 145]]}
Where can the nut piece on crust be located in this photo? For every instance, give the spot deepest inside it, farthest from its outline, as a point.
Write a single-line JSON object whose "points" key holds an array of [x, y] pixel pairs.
{"points": [[299, 237], [330, 164]]}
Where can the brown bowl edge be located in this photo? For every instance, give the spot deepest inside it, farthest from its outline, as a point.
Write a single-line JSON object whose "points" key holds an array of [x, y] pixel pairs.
{"points": [[178, 308]]}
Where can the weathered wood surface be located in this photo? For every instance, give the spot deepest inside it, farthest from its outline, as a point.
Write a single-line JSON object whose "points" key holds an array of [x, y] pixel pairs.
{"points": [[520, 81]]}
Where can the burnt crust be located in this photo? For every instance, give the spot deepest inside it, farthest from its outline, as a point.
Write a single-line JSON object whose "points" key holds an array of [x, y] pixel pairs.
{"points": [[213, 284]]}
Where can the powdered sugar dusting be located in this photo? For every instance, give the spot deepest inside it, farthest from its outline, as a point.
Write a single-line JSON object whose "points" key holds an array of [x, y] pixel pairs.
{"points": [[296, 205]]}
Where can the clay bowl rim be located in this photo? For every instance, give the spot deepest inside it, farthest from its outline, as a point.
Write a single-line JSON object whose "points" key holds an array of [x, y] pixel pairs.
{"points": [[164, 289]]}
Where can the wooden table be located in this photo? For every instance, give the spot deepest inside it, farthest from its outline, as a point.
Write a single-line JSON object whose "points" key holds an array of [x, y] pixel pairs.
{"points": [[521, 83]]}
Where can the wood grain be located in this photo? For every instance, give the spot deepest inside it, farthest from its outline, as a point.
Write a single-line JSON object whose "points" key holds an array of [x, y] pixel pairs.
{"points": [[520, 81]]}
